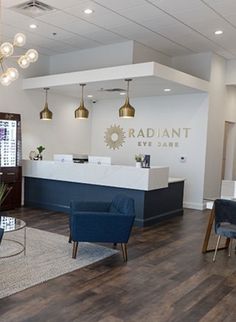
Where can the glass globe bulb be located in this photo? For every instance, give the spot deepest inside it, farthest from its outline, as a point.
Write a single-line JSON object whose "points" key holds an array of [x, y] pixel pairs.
{"points": [[6, 49], [12, 73], [23, 61], [5, 79], [33, 55], [19, 40]]}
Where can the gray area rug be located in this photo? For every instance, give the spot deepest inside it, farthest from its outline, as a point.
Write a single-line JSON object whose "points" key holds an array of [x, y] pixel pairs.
{"points": [[48, 255]]}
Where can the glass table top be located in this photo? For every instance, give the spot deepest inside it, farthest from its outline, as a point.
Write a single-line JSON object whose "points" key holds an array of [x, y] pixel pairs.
{"points": [[11, 223]]}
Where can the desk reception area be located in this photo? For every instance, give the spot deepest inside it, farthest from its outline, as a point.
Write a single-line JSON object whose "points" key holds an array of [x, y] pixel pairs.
{"points": [[52, 185]]}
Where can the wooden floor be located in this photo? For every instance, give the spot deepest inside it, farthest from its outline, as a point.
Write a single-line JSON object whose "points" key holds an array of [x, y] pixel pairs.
{"points": [[166, 279]]}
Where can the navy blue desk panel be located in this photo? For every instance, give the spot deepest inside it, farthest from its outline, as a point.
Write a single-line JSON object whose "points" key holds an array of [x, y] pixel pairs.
{"points": [[151, 206]]}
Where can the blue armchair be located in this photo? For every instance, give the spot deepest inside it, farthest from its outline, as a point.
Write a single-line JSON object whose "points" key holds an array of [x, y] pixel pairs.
{"points": [[105, 222], [225, 221], [1, 234]]}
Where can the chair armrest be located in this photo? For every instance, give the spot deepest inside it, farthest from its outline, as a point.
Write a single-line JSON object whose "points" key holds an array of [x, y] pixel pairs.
{"points": [[89, 206], [101, 227]]}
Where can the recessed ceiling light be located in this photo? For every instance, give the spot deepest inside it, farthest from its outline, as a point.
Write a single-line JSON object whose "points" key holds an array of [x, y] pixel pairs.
{"points": [[167, 89], [90, 95], [33, 26], [122, 93], [218, 32], [88, 11]]}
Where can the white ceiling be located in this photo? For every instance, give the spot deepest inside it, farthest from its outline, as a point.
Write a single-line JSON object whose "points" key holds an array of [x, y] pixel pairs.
{"points": [[172, 27]]}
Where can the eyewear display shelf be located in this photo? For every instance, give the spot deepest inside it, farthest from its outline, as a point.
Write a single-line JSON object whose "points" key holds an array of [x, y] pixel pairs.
{"points": [[10, 158]]}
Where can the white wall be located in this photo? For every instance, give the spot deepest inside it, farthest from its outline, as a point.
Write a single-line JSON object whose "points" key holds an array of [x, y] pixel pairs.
{"points": [[63, 134], [216, 124], [231, 72], [231, 104], [231, 117], [143, 54], [198, 65], [181, 111], [103, 56], [106, 56], [39, 68]]}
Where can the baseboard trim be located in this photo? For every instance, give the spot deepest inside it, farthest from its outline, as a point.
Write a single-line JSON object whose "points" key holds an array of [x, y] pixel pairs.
{"points": [[159, 218], [194, 205]]}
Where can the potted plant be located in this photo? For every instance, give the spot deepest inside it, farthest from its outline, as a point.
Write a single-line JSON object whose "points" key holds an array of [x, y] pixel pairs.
{"points": [[138, 159], [40, 150]]}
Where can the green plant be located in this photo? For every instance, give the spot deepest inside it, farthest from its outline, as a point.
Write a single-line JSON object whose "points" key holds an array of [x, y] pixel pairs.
{"points": [[4, 191], [40, 149], [138, 157]]}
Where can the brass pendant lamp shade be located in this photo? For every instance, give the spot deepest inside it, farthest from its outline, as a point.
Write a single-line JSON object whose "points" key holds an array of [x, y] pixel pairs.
{"points": [[127, 111], [46, 114], [81, 112]]}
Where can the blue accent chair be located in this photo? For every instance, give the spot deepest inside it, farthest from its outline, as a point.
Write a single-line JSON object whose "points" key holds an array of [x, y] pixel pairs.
{"points": [[1, 234], [102, 222], [225, 221]]}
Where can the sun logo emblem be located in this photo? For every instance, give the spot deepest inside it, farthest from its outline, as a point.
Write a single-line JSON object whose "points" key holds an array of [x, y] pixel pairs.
{"points": [[114, 137]]}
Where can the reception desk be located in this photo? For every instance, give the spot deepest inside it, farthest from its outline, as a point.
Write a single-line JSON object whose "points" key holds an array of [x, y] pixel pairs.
{"points": [[51, 185]]}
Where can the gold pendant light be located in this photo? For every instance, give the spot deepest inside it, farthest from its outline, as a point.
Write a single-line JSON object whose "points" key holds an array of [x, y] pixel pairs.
{"points": [[81, 112], [127, 111], [46, 114]]}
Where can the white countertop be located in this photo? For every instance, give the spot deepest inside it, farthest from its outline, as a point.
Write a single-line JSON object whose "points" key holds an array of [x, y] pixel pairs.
{"points": [[173, 180], [107, 175]]}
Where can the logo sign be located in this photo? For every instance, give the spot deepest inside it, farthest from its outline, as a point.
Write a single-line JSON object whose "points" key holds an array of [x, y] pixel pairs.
{"points": [[115, 136]]}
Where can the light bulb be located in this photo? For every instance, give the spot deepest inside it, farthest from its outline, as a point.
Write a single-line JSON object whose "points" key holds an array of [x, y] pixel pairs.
{"points": [[88, 11], [5, 79], [12, 73], [23, 61], [6, 49], [32, 55], [19, 40], [33, 26]]}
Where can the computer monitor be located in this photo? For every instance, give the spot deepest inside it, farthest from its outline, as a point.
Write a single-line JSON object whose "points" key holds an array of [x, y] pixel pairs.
{"points": [[99, 160], [63, 157]]}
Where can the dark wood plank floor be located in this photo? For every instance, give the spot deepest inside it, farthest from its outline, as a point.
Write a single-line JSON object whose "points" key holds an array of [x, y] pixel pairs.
{"points": [[166, 279]]}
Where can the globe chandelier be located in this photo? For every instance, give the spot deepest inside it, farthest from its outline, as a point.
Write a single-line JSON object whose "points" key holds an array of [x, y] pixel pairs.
{"points": [[8, 73]]}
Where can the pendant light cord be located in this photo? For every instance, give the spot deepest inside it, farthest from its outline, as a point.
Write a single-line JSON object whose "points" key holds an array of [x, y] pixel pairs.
{"points": [[82, 93], [127, 93], [127, 96], [46, 95]]}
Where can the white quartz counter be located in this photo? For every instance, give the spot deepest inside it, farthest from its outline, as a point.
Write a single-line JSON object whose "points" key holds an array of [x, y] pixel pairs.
{"points": [[173, 180], [106, 175]]}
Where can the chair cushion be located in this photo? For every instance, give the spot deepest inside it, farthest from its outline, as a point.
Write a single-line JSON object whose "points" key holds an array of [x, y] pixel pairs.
{"points": [[226, 229]]}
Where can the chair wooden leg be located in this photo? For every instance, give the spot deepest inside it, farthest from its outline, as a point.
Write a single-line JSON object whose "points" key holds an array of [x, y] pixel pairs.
{"points": [[124, 252], [227, 242], [70, 238], [75, 248], [217, 245], [208, 231], [230, 247]]}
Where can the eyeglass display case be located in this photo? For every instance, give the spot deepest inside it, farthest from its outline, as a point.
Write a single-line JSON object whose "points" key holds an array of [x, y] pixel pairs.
{"points": [[10, 158]]}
